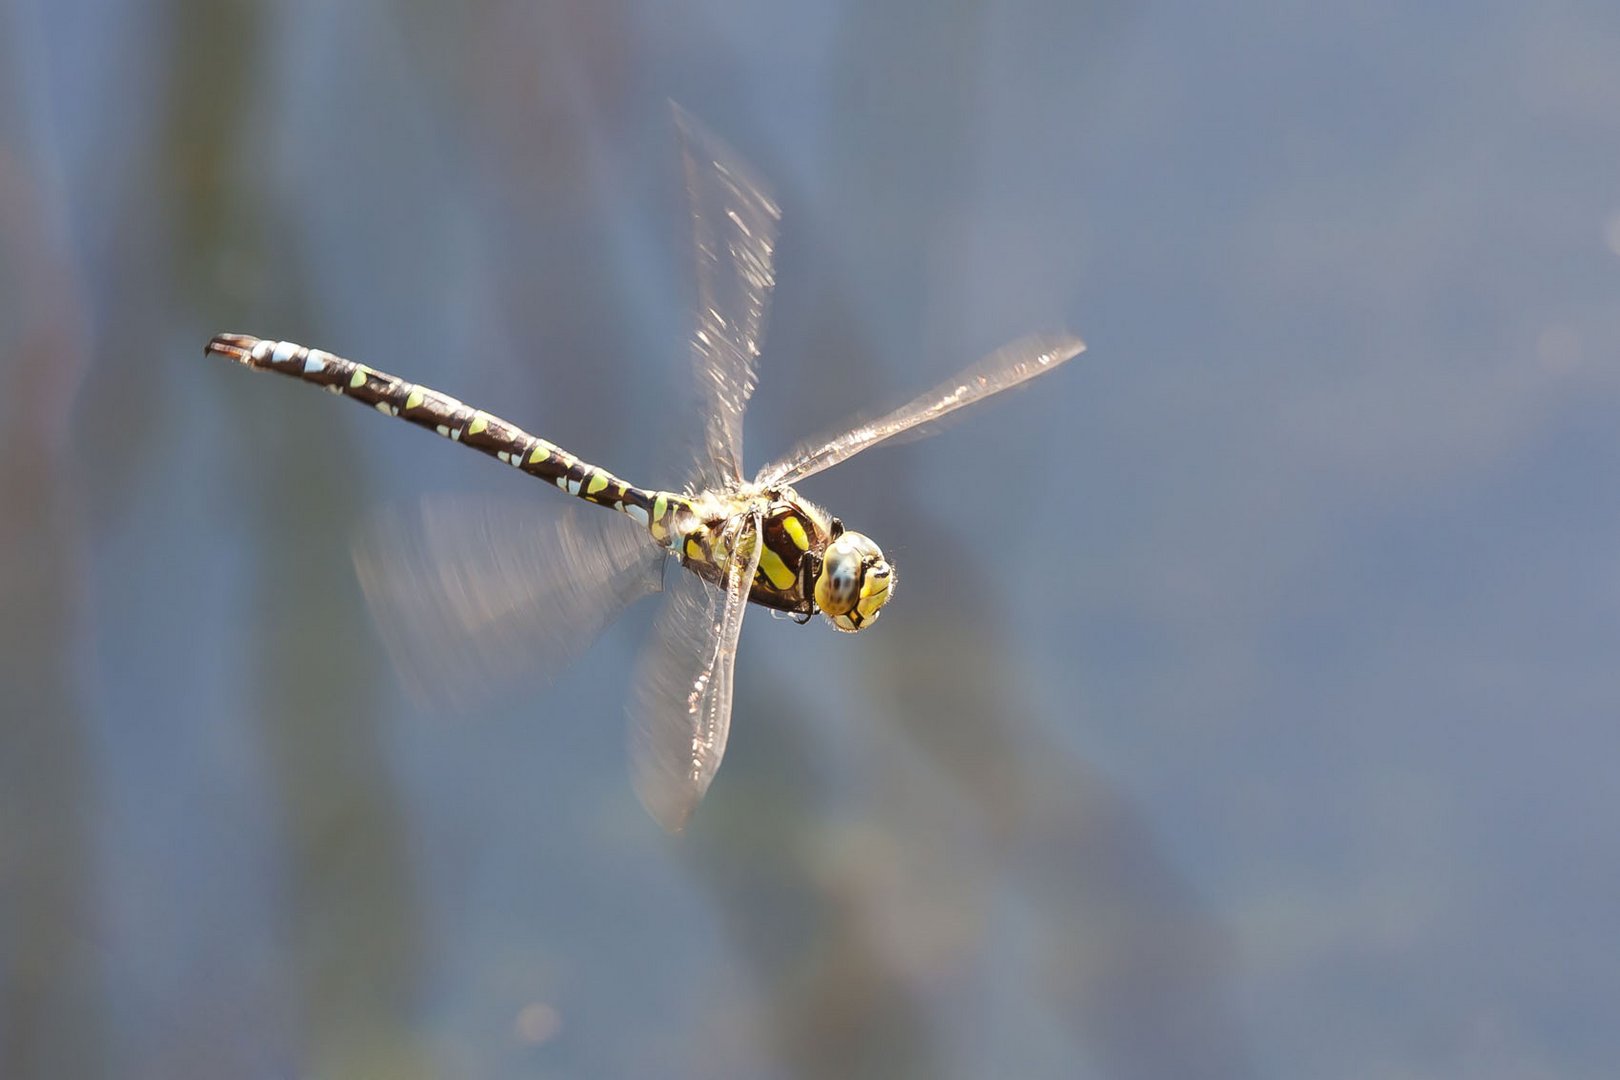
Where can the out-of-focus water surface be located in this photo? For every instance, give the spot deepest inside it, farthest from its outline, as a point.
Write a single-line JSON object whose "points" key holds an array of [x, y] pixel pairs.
{"points": [[1249, 707]]}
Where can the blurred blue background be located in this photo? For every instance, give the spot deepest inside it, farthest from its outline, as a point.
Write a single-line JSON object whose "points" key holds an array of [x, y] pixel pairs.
{"points": [[1250, 704]]}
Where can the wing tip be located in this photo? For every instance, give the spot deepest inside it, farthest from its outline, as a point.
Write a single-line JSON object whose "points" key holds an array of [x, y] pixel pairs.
{"points": [[670, 809], [1063, 345], [698, 140]]}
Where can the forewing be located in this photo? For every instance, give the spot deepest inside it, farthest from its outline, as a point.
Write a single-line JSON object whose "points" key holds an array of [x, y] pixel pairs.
{"points": [[680, 706], [1005, 368], [469, 590], [734, 237]]}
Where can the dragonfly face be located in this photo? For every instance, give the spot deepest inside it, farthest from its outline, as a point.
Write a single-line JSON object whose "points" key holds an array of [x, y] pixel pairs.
{"points": [[809, 562], [855, 581]]}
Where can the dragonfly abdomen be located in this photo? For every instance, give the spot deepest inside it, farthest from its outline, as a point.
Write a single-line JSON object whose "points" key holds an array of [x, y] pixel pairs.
{"points": [[454, 420]]}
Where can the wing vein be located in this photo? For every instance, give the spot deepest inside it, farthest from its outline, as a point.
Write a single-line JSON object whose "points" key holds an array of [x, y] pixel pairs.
{"points": [[734, 224], [1003, 369]]}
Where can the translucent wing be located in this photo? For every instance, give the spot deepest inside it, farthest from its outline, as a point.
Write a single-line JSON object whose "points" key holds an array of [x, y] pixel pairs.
{"points": [[1006, 367], [465, 589], [734, 236], [680, 709]]}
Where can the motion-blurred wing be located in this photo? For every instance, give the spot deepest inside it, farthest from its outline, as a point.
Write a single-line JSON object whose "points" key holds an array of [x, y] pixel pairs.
{"points": [[680, 707], [465, 590], [734, 236], [1005, 368]]}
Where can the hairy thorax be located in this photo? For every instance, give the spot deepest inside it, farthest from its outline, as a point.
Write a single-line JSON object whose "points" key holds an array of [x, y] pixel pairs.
{"points": [[705, 528]]}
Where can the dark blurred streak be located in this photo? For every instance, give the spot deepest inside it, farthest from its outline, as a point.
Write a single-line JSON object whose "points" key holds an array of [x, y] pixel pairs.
{"points": [[141, 221], [352, 936], [213, 44], [48, 963], [835, 1005], [533, 97]]}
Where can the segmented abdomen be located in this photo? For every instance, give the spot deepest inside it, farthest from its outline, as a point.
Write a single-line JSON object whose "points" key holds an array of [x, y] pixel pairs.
{"points": [[392, 396]]}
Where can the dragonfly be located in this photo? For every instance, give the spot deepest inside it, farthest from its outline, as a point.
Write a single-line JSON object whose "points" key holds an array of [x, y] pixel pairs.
{"points": [[465, 571]]}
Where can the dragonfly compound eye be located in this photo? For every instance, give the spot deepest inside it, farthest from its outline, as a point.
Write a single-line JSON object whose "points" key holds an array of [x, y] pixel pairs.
{"points": [[855, 581]]}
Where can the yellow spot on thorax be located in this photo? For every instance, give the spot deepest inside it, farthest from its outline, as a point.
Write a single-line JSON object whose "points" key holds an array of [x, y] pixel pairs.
{"points": [[795, 531], [775, 569]]}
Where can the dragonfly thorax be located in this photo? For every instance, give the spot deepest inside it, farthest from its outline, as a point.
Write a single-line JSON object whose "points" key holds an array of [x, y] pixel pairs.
{"points": [[807, 561]]}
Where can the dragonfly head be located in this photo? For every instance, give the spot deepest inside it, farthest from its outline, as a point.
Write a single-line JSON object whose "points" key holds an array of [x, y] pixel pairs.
{"points": [[855, 581]]}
